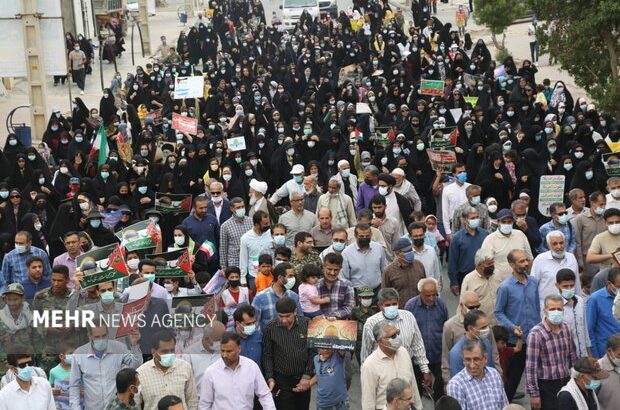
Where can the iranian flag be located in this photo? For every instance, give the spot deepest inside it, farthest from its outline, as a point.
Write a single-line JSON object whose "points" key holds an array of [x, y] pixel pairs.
{"points": [[208, 247], [101, 145]]}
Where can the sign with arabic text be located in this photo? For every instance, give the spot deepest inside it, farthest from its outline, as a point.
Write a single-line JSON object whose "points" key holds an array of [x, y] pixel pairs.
{"points": [[431, 87], [551, 191]]}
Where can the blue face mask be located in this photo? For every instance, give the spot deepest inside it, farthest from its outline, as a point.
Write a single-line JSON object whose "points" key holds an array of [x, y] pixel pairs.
{"points": [[4, 194], [249, 330], [150, 277], [462, 177], [95, 223], [568, 293], [299, 179], [142, 189], [107, 297], [338, 246], [69, 359], [555, 316], [409, 257], [24, 374], [279, 239], [240, 213], [593, 385], [167, 360], [100, 345], [474, 223], [390, 312], [105, 174]]}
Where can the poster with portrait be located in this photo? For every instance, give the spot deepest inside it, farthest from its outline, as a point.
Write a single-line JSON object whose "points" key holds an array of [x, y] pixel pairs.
{"points": [[95, 265], [332, 334]]}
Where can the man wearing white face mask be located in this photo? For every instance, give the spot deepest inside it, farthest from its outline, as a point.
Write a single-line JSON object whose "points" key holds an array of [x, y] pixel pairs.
{"points": [[231, 232], [388, 361], [559, 222], [503, 241], [397, 206], [14, 267], [347, 179], [404, 321]]}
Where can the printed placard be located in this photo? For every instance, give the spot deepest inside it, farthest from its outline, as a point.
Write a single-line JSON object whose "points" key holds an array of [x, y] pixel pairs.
{"points": [[432, 87], [441, 160], [141, 235], [332, 334], [551, 191], [173, 203], [184, 124], [189, 87]]}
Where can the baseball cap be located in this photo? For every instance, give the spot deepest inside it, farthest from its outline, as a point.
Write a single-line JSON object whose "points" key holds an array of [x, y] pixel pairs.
{"points": [[15, 288], [297, 169], [504, 213], [402, 245]]}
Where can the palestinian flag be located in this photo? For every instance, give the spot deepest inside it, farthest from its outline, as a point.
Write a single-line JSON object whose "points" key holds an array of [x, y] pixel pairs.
{"points": [[208, 247], [454, 135], [184, 262], [101, 145], [117, 261]]}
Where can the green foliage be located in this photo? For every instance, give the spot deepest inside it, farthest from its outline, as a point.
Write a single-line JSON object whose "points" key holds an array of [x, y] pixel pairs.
{"points": [[501, 54], [586, 43], [497, 15]]}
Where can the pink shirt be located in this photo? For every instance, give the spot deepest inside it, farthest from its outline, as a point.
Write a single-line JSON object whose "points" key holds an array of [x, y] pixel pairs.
{"points": [[307, 291]]}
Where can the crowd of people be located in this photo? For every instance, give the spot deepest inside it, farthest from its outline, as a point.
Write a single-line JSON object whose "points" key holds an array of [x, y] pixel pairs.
{"points": [[335, 209]]}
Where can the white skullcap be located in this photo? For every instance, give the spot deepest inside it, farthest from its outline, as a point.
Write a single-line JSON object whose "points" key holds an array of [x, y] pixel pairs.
{"points": [[258, 186]]}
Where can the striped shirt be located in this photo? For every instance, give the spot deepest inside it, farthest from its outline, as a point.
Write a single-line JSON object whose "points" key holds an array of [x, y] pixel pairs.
{"points": [[265, 304], [478, 394], [230, 240], [14, 266], [285, 351], [155, 384], [409, 333], [549, 355]]}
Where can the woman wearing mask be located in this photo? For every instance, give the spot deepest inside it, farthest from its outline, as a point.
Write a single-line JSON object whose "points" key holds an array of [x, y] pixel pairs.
{"points": [[99, 233], [71, 216], [143, 197], [21, 174], [31, 223], [495, 180]]}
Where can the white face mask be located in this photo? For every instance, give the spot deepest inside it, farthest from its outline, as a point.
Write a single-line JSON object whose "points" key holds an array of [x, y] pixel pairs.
{"points": [[179, 240], [133, 263]]}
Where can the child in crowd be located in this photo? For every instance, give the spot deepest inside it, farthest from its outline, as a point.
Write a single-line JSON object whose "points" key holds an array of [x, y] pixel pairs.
{"points": [[264, 277], [361, 313], [308, 292], [59, 378], [506, 352], [234, 295], [331, 392]]}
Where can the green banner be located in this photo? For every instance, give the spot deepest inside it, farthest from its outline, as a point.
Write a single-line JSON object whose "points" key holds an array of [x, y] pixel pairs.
{"points": [[472, 100], [431, 87], [170, 273], [101, 277]]}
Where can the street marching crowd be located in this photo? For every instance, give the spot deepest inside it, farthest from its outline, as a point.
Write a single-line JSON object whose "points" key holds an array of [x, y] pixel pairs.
{"points": [[289, 186]]}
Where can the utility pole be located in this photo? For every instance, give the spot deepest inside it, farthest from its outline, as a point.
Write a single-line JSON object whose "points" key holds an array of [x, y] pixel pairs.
{"points": [[144, 26], [34, 66]]}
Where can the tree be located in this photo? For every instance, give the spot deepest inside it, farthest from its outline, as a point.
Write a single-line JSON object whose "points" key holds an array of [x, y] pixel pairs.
{"points": [[497, 15], [585, 40]]}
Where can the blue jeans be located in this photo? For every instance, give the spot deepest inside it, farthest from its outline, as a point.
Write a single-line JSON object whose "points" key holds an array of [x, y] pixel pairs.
{"points": [[343, 405]]}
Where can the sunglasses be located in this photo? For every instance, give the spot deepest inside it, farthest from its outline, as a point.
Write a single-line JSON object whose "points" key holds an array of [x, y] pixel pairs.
{"points": [[25, 364], [15, 196], [473, 307], [216, 193]]}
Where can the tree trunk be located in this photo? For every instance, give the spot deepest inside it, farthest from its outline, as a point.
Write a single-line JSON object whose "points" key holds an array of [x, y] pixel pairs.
{"points": [[613, 65], [498, 46]]}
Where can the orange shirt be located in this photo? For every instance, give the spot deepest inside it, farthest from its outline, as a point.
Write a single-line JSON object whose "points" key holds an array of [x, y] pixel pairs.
{"points": [[263, 281]]}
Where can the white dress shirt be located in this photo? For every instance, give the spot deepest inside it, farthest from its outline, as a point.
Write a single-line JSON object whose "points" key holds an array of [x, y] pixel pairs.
{"points": [[544, 269], [452, 196], [38, 397]]}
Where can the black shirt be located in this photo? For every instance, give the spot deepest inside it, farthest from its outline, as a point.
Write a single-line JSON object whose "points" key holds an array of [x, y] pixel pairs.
{"points": [[566, 401], [285, 351]]}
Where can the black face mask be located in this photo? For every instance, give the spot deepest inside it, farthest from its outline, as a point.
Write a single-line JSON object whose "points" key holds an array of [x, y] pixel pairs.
{"points": [[363, 242], [488, 271], [234, 283], [418, 242]]}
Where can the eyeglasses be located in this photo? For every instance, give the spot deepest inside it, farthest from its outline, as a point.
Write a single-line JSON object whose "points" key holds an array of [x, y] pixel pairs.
{"points": [[216, 193], [395, 335]]}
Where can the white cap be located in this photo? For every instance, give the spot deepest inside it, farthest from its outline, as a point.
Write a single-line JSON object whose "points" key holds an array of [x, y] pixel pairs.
{"points": [[398, 171], [258, 186], [297, 169]]}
